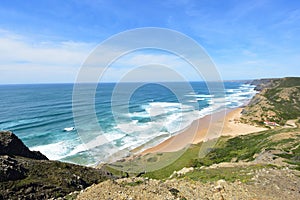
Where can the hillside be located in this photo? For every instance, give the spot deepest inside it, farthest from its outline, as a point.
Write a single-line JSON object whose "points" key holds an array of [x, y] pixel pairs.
{"points": [[278, 101], [25, 174], [264, 165]]}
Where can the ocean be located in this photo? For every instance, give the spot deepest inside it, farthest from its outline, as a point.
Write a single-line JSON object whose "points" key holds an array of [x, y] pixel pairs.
{"points": [[39, 114]]}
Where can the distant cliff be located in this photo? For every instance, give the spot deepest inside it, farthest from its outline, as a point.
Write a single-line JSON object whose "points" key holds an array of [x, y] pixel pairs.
{"points": [[26, 174], [278, 101], [264, 83]]}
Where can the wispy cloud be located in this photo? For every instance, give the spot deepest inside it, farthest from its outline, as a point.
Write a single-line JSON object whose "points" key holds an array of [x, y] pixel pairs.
{"points": [[143, 65], [19, 54]]}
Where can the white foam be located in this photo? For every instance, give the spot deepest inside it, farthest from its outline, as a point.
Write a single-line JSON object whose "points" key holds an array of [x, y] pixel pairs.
{"points": [[79, 148], [139, 114], [166, 118], [166, 104], [127, 127], [200, 99], [200, 95], [169, 116], [192, 93], [54, 151], [155, 109], [130, 128], [173, 122], [60, 150], [113, 136], [97, 142], [161, 108], [68, 129], [240, 95], [193, 101], [230, 90], [104, 138]]}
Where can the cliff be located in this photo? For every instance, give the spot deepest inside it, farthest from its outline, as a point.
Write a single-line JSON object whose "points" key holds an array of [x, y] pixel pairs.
{"points": [[278, 101], [26, 174], [10, 144]]}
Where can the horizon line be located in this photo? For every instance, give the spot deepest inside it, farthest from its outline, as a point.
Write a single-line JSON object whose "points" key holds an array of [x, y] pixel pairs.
{"points": [[112, 82]]}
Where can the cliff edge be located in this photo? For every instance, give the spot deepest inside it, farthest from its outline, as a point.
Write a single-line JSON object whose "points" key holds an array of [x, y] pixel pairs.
{"points": [[277, 102], [26, 174], [10, 144]]}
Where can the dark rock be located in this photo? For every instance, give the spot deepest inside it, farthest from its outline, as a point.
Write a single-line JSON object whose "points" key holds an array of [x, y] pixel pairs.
{"points": [[174, 192], [140, 174], [126, 175], [10, 169], [10, 144]]}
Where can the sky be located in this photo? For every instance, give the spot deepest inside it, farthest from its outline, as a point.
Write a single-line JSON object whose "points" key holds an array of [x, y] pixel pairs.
{"points": [[48, 41]]}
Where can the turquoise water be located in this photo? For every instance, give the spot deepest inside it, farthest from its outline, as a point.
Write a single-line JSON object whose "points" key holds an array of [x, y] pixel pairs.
{"points": [[38, 114]]}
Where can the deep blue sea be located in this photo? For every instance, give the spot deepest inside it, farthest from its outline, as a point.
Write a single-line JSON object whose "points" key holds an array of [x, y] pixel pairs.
{"points": [[38, 114]]}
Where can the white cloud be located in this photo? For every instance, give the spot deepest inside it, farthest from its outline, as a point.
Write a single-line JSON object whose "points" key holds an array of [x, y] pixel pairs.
{"points": [[35, 73], [142, 66], [138, 59], [32, 60], [24, 60], [145, 66], [70, 53]]}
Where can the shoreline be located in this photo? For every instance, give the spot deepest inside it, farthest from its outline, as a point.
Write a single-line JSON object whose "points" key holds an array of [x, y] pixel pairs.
{"points": [[223, 123]]}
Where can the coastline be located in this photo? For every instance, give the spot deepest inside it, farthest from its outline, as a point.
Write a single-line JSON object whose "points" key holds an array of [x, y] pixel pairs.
{"points": [[225, 123]]}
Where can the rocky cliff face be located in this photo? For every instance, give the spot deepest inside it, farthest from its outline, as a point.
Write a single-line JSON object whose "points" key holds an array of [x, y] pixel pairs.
{"points": [[264, 83], [278, 101], [26, 174], [10, 144]]}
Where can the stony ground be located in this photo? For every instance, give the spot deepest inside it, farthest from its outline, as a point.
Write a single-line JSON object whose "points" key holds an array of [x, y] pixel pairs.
{"points": [[266, 183]]}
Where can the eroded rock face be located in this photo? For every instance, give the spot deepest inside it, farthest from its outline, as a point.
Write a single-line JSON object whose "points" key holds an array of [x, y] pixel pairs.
{"points": [[10, 144]]}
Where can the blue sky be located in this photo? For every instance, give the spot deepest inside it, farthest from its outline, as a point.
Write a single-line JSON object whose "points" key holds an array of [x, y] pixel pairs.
{"points": [[47, 41]]}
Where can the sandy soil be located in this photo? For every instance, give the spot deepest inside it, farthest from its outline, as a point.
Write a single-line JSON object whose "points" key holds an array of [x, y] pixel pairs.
{"points": [[265, 184], [233, 126], [207, 128]]}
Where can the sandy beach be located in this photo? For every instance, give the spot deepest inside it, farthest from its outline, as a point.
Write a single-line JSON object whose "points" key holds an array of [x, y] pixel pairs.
{"points": [[225, 123]]}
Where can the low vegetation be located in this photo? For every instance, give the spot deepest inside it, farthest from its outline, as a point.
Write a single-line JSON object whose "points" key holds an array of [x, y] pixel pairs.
{"points": [[45, 179], [244, 148], [278, 102], [230, 174]]}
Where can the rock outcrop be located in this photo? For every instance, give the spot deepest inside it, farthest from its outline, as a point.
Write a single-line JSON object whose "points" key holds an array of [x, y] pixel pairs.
{"points": [[10, 144], [26, 174]]}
